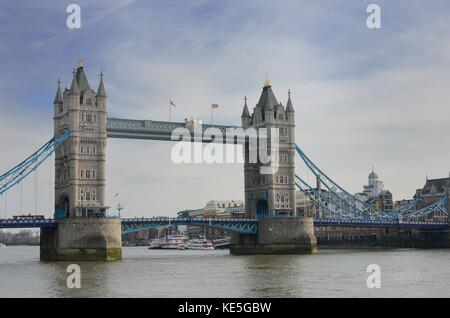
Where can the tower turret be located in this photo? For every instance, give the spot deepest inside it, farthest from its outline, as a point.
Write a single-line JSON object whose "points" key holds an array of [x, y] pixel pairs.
{"points": [[58, 101], [245, 117], [101, 92], [58, 97], [74, 90]]}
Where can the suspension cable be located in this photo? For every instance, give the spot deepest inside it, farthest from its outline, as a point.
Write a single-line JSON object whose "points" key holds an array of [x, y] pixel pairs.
{"points": [[50, 206]]}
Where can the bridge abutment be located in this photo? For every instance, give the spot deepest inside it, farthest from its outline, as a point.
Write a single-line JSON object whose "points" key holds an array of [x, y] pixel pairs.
{"points": [[382, 238], [277, 236], [81, 239]]}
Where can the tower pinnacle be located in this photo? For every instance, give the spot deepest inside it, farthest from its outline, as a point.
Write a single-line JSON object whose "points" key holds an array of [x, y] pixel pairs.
{"points": [[74, 90], [266, 81], [245, 112], [289, 107], [58, 96], [101, 92], [80, 61]]}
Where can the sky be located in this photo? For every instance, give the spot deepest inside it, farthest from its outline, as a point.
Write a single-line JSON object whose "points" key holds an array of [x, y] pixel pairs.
{"points": [[363, 97]]}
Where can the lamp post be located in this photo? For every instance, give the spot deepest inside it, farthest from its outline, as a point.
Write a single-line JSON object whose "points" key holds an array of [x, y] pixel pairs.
{"points": [[119, 208]]}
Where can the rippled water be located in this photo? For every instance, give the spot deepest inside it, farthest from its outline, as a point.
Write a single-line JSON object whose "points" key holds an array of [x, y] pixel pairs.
{"points": [[163, 273]]}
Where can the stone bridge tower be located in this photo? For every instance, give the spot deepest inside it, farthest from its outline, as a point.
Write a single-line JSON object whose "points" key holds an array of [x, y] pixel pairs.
{"points": [[80, 163], [270, 197], [271, 194], [84, 232]]}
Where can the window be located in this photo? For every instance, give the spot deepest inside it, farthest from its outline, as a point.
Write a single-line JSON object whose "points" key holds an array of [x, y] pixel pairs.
{"points": [[283, 131], [88, 101], [94, 174], [94, 150], [81, 174], [81, 150], [88, 150], [82, 117]]}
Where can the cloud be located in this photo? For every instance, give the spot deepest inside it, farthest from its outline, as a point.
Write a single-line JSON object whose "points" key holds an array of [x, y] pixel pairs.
{"points": [[362, 97]]}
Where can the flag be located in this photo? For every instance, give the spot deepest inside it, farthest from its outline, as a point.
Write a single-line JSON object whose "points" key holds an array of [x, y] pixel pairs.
{"points": [[215, 105], [172, 104], [116, 194]]}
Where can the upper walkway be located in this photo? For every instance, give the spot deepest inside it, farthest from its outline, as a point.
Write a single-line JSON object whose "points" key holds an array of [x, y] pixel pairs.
{"points": [[239, 225]]}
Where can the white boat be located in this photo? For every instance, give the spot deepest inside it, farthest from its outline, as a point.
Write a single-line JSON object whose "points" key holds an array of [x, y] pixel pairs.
{"points": [[182, 246], [201, 243], [155, 244], [2, 245], [172, 241]]}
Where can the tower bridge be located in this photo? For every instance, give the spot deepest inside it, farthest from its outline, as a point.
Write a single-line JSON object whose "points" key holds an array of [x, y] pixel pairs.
{"points": [[81, 230]]}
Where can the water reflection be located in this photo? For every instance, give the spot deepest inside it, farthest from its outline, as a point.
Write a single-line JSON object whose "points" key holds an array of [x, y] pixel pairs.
{"points": [[272, 275], [95, 278], [146, 273]]}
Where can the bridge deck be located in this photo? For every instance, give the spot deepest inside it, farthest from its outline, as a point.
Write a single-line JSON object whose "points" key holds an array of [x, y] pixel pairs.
{"points": [[162, 130], [237, 225]]}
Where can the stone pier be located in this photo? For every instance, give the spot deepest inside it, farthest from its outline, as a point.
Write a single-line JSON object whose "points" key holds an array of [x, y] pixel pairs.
{"points": [[82, 239], [288, 235]]}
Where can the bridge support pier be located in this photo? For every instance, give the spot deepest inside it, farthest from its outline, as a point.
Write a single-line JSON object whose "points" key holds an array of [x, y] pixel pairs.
{"points": [[82, 239], [277, 236]]}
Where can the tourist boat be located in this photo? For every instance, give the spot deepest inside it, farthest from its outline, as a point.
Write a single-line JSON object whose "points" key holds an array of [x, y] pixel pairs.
{"points": [[201, 243], [155, 244], [2, 245], [171, 242], [181, 246]]}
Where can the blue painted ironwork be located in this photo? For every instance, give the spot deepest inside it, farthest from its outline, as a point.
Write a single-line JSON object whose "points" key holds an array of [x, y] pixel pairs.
{"points": [[247, 226], [380, 224], [340, 204], [23, 169]]}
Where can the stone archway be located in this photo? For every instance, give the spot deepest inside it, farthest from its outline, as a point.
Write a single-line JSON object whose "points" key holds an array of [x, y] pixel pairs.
{"points": [[63, 207], [262, 207]]}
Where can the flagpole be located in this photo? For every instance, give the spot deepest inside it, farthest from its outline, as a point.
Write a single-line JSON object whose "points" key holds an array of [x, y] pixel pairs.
{"points": [[212, 112]]}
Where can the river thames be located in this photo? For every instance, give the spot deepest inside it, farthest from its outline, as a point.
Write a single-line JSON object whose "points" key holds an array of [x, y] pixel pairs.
{"points": [[173, 273]]}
